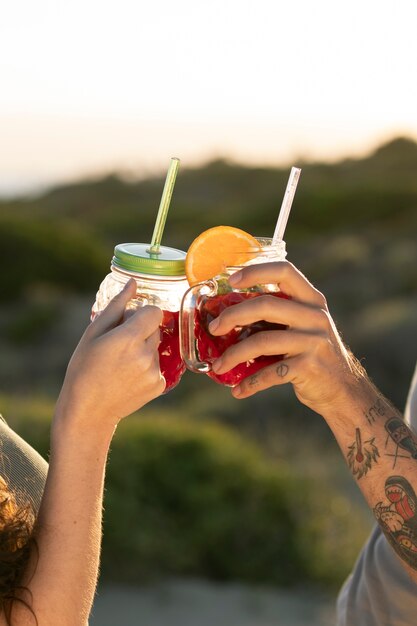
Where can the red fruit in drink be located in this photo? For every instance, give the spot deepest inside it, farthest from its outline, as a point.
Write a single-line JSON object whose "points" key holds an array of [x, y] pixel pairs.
{"points": [[210, 347], [170, 361]]}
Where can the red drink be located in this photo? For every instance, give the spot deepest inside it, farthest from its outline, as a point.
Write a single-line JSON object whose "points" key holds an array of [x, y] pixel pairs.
{"points": [[170, 361], [204, 301], [210, 347]]}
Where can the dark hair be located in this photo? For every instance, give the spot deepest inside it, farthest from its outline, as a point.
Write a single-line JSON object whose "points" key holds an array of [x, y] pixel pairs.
{"points": [[16, 545]]}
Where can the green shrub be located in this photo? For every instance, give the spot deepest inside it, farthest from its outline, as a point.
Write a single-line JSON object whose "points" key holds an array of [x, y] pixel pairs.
{"points": [[55, 253], [192, 499], [185, 498], [30, 417], [32, 322], [331, 533]]}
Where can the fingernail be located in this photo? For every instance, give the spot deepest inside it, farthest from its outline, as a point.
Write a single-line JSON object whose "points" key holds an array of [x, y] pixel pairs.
{"points": [[214, 324], [237, 391], [129, 283], [216, 365], [235, 278]]}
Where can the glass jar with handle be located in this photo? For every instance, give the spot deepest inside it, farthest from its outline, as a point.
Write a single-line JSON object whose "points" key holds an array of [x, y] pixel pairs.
{"points": [[205, 301]]}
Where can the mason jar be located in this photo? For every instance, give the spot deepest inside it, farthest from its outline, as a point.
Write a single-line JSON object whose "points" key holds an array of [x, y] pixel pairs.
{"points": [[161, 282], [205, 301]]}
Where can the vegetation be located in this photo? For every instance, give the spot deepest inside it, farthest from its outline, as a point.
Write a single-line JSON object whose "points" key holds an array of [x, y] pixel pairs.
{"points": [[187, 493], [188, 498]]}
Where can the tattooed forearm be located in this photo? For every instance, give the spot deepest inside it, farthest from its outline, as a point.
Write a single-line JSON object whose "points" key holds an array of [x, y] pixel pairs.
{"points": [[361, 455], [377, 409], [398, 518]]}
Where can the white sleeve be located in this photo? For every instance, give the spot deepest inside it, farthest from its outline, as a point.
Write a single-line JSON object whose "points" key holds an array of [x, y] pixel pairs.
{"points": [[23, 468], [410, 413], [379, 592]]}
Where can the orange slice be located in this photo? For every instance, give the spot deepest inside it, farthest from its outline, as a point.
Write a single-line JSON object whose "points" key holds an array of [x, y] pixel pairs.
{"points": [[217, 248]]}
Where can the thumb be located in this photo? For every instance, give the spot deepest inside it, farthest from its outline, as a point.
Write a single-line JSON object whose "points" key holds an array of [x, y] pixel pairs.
{"points": [[113, 314]]}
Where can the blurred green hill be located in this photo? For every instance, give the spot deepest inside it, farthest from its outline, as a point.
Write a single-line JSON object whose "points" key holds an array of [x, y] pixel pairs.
{"points": [[376, 191], [352, 231]]}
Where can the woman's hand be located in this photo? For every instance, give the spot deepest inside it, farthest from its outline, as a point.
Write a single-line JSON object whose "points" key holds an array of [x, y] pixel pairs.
{"points": [[113, 372], [316, 362], [115, 367]]}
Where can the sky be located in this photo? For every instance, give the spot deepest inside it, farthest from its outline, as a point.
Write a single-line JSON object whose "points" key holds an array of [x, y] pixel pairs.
{"points": [[88, 86]]}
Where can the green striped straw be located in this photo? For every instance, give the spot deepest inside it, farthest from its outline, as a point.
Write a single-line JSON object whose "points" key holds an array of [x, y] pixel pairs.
{"points": [[164, 206]]}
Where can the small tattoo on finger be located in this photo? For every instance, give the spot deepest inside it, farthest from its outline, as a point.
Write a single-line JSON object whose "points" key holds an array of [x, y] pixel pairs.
{"points": [[282, 370], [253, 380]]}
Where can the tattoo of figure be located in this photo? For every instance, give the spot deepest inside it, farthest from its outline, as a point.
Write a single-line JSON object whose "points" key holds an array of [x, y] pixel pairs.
{"points": [[376, 409], [361, 455], [398, 518], [282, 370], [253, 380], [401, 435]]}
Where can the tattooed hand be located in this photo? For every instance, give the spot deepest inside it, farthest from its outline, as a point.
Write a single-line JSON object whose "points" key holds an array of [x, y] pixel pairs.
{"points": [[316, 362]]}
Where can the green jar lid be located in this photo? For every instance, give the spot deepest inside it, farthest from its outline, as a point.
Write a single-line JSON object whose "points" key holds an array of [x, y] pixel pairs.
{"points": [[135, 257]]}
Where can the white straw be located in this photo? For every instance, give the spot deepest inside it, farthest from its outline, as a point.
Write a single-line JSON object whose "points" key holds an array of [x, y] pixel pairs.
{"points": [[286, 205]]}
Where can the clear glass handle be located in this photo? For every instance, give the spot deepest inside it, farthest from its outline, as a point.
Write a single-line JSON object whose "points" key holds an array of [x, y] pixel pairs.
{"points": [[188, 343]]}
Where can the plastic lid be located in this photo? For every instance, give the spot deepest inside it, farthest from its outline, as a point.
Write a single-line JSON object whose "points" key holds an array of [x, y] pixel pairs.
{"points": [[135, 257]]}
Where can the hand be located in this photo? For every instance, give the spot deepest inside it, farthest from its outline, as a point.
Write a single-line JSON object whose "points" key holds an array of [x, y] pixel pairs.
{"points": [[316, 362], [115, 367]]}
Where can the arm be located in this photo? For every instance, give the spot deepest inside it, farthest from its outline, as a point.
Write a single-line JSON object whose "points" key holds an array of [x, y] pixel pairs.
{"points": [[380, 449], [113, 372]]}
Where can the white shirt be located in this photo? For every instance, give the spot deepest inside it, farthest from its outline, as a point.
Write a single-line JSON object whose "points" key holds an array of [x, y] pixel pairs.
{"points": [[379, 592]]}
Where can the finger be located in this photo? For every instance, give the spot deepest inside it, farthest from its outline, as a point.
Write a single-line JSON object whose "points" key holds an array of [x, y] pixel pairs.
{"points": [[112, 315], [144, 322], [159, 382], [273, 309], [279, 373], [131, 308], [163, 384], [266, 343], [154, 340], [283, 273]]}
